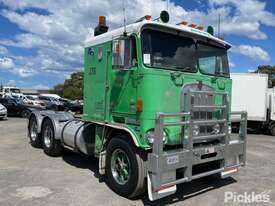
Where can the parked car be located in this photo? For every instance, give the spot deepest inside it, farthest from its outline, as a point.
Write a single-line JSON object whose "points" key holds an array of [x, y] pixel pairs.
{"points": [[33, 100], [74, 106], [16, 107], [3, 111], [52, 103], [55, 96]]}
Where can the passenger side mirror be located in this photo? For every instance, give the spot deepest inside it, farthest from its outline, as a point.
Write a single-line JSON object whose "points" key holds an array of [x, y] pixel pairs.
{"points": [[122, 54]]}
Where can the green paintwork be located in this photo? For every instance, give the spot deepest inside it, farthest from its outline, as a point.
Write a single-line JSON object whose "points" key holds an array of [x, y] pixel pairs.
{"points": [[110, 95]]}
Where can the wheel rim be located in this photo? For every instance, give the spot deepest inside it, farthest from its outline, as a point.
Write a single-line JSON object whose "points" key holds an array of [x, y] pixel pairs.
{"points": [[33, 131], [120, 166], [48, 135]]}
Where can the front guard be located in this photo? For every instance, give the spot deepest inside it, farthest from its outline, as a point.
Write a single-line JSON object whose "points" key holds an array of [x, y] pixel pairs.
{"points": [[163, 166]]}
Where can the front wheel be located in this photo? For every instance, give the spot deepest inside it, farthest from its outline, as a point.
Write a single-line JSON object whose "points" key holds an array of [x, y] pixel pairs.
{"points": [[51, 146], [125, 168]]}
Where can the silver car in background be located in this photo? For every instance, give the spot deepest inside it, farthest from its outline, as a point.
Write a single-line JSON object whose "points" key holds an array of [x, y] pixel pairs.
{"points": [[3, 112]]}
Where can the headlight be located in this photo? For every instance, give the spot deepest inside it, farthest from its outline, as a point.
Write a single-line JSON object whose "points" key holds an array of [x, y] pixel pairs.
{"points": [[196, 130], [150, 136], [216, 129]]}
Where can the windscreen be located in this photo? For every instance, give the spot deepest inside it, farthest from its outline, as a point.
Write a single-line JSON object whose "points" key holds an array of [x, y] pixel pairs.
{"points": [[212, 60], [168, 51], [174, 52]]}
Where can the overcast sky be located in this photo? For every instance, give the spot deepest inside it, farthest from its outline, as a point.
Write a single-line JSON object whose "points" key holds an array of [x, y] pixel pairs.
{"points": [[41, 41]]}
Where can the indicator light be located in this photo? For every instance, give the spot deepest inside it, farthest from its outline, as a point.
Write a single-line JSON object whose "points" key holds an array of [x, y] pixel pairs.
{"points": [[139, 105]]}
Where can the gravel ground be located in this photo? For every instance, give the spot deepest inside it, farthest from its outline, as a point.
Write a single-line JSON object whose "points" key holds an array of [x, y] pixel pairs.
{"points": [[29, 177]]}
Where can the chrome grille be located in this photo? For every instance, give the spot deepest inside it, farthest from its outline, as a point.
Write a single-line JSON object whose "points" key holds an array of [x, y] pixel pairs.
{"points": [[203, 107]]}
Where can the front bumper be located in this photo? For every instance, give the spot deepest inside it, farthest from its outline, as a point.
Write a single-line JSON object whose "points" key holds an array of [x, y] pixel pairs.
{"points": [[3, 114], [167, 168]]}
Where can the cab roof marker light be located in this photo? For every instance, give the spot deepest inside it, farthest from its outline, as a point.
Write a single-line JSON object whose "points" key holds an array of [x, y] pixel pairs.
{"points": [[201, 28], [192, 25], [146, 17], [183, 23]]}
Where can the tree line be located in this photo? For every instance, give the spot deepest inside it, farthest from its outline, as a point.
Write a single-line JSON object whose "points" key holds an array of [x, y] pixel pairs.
{"points": [[72, 88], [267, 69]]}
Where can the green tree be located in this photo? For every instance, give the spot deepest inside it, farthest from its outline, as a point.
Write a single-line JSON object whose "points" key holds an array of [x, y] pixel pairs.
{"points": [[72, 88], [58, 89], [268, 69]]}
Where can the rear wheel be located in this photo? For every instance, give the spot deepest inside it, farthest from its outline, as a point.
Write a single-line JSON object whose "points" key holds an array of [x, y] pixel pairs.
{"points": [[51, 146], [125, 168], [35, 138]]}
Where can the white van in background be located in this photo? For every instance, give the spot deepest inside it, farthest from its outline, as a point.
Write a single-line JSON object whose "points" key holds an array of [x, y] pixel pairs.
{"points": [[12, 92]]}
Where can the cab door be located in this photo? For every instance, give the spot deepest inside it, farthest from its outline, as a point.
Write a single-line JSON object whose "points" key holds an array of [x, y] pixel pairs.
{"points": [[96, 78], [123, 93]]}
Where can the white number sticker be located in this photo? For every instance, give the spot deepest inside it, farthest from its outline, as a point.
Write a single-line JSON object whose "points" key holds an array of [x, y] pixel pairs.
{"points": [[147, 58], [172, 159]]}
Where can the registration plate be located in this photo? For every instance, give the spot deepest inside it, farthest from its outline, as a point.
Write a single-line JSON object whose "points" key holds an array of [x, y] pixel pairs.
{"points": [[172, 159]]}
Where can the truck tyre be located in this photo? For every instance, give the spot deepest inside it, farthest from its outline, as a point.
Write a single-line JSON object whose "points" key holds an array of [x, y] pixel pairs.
{"points": [[35, 138], [51, 146], [272, 129], [25, 113], [125, 168]]}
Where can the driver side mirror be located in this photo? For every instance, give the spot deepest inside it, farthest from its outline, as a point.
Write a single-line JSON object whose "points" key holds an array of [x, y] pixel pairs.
{"points": [[122, 54]]}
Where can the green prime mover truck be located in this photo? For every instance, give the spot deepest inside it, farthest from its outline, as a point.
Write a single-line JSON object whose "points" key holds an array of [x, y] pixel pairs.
{"points": [[156, 108]]}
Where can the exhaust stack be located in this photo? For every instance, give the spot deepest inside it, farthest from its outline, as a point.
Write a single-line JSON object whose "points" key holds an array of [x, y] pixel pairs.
{"points": [[101, 27]]}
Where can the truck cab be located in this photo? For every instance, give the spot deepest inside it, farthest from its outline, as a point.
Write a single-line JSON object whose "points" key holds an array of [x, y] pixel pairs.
{"points": [[156, 108]]}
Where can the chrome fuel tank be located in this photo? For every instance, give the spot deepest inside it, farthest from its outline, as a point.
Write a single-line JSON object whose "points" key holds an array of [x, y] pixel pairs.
{"points": [[79, 135]]}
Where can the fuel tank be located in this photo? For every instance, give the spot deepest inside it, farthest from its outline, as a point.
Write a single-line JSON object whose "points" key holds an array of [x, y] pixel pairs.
{"points": [[79, 135]]}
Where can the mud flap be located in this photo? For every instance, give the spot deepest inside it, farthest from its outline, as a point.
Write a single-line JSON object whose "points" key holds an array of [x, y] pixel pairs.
{"points": [[163, 192]]}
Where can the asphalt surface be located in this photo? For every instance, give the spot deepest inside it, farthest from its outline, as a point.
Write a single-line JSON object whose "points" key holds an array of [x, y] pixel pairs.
{"points": [[29, 177]]}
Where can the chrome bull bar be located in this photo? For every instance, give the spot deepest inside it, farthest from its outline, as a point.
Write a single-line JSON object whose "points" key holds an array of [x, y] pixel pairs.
{"points": [[164, 164]]}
